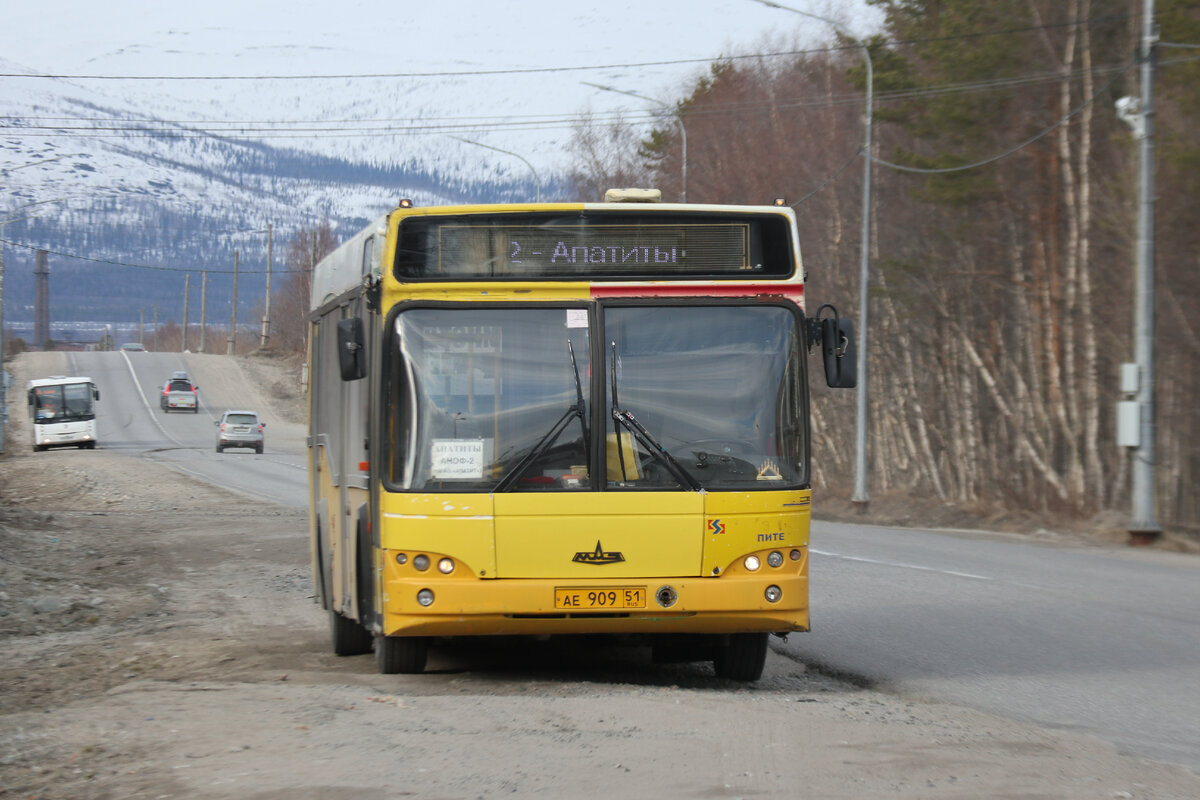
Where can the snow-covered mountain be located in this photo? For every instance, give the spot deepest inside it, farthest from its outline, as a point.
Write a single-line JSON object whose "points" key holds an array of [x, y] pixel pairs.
{"points": [[167, 136]]}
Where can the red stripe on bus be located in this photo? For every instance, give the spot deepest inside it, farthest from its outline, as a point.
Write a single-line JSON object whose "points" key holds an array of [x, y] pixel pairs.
{"points": [[794, 292]]}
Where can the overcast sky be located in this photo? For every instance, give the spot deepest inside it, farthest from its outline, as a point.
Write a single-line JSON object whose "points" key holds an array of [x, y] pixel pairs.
{"points": [[384, 33], [270, 37]]}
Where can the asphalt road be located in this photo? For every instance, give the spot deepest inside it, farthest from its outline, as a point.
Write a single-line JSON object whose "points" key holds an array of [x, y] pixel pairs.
{"points": [[1098, 640], [1104, 641], [128, 417]]}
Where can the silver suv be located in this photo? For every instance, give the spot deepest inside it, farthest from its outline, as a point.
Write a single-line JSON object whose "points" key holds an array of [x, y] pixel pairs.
{"points": [[240, 429]]}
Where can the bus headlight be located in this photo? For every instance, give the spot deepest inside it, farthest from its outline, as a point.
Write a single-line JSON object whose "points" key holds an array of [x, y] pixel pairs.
{"points": [[795, 555], [446, 566], [775, 559], [425, 597], [421, 562], [773, 593], [401, 558], [752, 563]]}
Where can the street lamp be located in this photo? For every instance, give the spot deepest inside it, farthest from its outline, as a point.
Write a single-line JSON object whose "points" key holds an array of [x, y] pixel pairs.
{"points": [[537, 181], [678, 118], [860, 439]]}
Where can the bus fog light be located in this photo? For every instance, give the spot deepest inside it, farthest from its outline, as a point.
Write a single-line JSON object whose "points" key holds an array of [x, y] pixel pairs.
{"points": [[752, 563], [795, 555], [401, 558], [425, 597], [773, 593], [446, 566], [666, 596], [421, 562], [775, 559]]}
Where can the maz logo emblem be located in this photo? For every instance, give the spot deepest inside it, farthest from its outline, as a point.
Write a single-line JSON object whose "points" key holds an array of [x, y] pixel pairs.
{"points": [[599, 556]]}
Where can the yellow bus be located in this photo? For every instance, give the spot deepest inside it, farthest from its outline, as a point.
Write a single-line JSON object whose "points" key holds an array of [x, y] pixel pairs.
{"points": [[562, 419]]}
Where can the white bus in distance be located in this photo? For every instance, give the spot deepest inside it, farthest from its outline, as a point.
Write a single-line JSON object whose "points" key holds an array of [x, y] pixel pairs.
{"points": [[63, 412]]}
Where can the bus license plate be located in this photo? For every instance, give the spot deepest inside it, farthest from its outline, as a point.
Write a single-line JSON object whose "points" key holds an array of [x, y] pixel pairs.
{"points": [[594, 598]]}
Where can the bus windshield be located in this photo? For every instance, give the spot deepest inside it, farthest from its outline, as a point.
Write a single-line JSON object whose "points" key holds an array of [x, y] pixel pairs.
{"points": [[716, 387], [69, 402], [504, 399]]}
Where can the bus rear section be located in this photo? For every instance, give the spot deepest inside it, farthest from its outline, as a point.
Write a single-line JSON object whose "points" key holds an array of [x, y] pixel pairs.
{"points": [[63, 412]]}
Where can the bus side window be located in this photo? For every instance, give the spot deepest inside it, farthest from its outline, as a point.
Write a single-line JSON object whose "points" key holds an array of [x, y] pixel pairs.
{"points": [[351, 349]]}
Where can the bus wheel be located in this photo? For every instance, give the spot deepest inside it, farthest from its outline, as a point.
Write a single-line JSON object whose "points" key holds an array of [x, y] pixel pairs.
{"points": [[349, 638], [742, 658], [400, 654]]}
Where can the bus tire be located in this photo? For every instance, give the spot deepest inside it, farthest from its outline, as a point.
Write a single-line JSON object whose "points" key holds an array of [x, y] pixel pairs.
{"points": [[401, 654], [742, 658], [348, 637]]}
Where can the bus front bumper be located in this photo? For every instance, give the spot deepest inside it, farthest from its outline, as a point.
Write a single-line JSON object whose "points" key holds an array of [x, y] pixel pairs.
{"points": [[731, 603]]}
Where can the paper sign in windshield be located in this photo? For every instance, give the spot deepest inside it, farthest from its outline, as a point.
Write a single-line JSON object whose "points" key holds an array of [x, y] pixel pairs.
{"points": [[457, 459]]}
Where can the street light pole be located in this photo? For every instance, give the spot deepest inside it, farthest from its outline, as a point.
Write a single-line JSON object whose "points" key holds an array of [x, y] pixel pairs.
{"points": [[678, 118], [1143, 526], [536, 180], [860, 497]]}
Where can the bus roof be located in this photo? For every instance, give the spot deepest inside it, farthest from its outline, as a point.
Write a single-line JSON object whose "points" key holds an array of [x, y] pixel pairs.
{"points": [[58, 380]]}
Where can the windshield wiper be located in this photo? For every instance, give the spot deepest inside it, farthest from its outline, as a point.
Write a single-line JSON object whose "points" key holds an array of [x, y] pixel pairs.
{"points": [[626, 419], [579, 409]]}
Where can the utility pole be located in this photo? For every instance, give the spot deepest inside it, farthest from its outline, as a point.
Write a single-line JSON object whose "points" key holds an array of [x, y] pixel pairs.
{"points": [[203, 310], [41, 301], [860, 497], [142, 327], [232, 341], [187, 284], [266, 321], [1143, 526], [3, 224], [156, 329], [3, 388]]}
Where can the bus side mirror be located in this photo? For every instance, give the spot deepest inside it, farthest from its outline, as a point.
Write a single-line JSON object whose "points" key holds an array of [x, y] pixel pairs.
{"points": [[839, 352], [95, 393], [352, 353]]}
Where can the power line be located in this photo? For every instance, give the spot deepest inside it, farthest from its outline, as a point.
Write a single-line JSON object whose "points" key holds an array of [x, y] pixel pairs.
{"points": [[157, 268], [549, 70], [1062, 121], [367, 128], [829, 179]]}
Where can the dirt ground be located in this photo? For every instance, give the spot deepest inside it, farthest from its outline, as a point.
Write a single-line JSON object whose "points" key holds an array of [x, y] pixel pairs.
{"points": [[159, 639]]}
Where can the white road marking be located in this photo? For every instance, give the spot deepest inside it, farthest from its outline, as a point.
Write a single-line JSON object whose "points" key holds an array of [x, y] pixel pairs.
{"points": [[902, 565]]}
